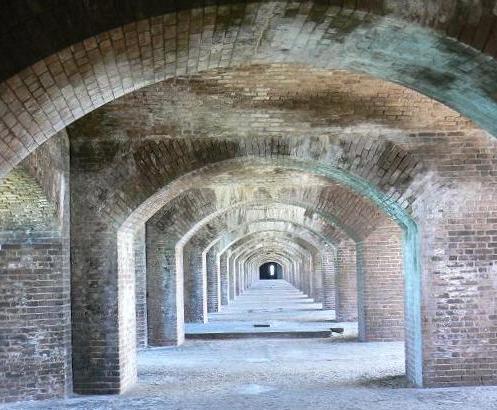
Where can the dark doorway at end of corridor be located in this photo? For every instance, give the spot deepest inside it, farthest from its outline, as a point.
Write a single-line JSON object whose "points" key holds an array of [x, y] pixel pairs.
{"points": [[270, 270]]}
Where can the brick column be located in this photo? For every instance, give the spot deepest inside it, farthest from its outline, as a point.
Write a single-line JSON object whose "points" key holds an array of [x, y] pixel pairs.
{"points": [[458, 240], [165, 310], [232, 278], [224, 277], [195, 278], [141, 288], [328, 290], [346, 282], [381, 284], [237, 276], [317, 278], [307, 277], [210, 261], [35, 275]]}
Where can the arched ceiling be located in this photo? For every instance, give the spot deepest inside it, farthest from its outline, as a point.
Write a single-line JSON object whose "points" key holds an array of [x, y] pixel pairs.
{"points": [[331, 208], [393, 137], [57, 25], [289, 230], [53, 93]]}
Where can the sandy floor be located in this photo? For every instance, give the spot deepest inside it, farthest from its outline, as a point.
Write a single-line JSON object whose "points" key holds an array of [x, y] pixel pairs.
{"points": [[277, 374], [332, 373], [275, 303]]}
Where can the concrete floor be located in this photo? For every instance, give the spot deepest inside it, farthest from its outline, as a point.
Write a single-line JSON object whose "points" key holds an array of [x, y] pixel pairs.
{"points": [[325, 373], [276, 303]]}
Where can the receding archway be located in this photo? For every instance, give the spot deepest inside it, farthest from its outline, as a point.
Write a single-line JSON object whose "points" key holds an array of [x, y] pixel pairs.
{"points": [[270, 271]]}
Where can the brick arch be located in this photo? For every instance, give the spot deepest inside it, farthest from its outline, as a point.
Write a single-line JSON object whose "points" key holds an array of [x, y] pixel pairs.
{"points": [[274, 243], [386, 202], [168, 257], [326, 263], [228, 239], [118, 252], [182, 219], [77, 20], [249, 239], [189, 249], [293, 253], [216, 252], [296, 251], [193, 245], [281, 251], [49, 95]]}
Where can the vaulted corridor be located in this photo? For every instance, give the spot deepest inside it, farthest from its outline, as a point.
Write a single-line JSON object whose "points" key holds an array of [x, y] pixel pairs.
{"points": [[270, 308], [248, 204]]}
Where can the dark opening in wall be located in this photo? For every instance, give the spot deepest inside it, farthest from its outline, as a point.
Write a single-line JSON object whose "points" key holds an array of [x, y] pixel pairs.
{"points": [[271, 270]]}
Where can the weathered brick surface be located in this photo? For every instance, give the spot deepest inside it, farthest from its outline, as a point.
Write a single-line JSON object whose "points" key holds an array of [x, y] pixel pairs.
{"points": [[35, 327], [70, 82], [409, 155], [213, 272], [223, 273], [195, 284], [76, 20], [329, 150], [165, 295], [329, 282], [141, 287], [459, 270], [380, 284], [346, 282]]}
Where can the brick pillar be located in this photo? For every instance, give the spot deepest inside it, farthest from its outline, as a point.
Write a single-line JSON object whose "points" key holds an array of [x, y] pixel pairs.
{"points": [[232, 278], [317, 278], [237, 276], [103, 304], [210, 260], [327, 259], [195, 278], [241, 275], [141, 288], [165, 306], [346, 282], [381, 284], [224, 277], [307, 277], [35, 317], [458, 240]]}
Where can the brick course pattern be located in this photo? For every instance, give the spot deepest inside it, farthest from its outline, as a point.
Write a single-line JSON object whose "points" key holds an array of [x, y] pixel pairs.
{"points": [[76, 78], [35, 353], [251, 123], [380, 285]]}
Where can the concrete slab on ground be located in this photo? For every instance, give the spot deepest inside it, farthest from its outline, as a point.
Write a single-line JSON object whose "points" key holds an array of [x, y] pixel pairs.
{"points": [[271, 308]]}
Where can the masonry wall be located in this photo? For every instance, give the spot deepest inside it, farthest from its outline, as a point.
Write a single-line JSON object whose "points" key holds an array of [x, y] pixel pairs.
{"points": [[381, 284], [459, 254], [328, 279], [141, 287], [35, 329], [317, 278], [346, 282], [223, 274], [213, 281], [195, 290], [165, 311]]}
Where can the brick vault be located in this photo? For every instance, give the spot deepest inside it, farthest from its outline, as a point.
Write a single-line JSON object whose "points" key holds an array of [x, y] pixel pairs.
{"points": [[153, 156]]}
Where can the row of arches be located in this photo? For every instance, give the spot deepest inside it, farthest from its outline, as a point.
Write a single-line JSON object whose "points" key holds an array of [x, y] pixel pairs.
{"points": [[250, 133]]}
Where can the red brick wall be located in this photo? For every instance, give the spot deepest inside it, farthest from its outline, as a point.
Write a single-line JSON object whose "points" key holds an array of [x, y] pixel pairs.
{"points": [[381, 285], [35, 328], [346, 282]]}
